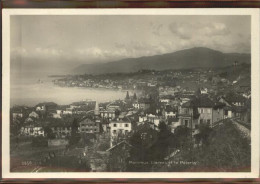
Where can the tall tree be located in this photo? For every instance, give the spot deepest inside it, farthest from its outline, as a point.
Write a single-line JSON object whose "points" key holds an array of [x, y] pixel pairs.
{"points": [[75, 137], [134, 97], [127, 96]]}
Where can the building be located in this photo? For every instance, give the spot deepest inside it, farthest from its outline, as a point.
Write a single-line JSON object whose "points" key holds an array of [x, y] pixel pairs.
{"points": [[235, 106], [61, 130], [155, 120], [88, 125], [105, 125], [218, 112], [109, 114], [188, 114], [120, 126], [205, 109], [18, 112], [142, 103], [136, 105], [169, 111], [32, 130], [17, 115]]}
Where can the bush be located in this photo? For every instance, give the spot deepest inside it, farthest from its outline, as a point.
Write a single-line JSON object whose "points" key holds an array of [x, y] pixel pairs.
{"points": [[39, 142]]}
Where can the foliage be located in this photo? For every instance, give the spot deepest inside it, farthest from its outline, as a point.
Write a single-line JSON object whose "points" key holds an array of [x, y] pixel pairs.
{"points": [[39, 142], [204, 134], [75, 137], [182, 137], [165, 138], [226, 150], [48, 132]]}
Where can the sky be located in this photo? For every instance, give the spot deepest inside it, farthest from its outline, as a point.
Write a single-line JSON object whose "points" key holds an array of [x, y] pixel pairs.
{"points": [[68, 40]]}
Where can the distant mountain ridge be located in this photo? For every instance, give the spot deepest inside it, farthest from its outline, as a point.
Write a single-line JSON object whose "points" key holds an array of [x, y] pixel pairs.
{"points": [[184, 59]]}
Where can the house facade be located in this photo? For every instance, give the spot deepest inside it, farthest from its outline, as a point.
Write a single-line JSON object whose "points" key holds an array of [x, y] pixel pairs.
{"points": [[110, 114], [31, 130], [123, 126], [89, 126]]}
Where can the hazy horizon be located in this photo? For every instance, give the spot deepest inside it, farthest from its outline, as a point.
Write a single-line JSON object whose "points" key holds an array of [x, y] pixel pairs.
{"points": [[57, 43]]}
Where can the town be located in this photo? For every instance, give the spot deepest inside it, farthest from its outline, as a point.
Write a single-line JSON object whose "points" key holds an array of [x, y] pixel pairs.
{"points": [[169, 121]]}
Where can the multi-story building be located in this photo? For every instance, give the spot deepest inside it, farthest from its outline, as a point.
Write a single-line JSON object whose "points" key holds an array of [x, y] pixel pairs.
{"points": [[61, 131], [120, 126], [110, 114], [188, 114], [88, 125], [32, 130]]}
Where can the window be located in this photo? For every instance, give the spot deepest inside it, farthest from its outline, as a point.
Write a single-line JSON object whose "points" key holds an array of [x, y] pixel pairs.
{"points": [[186, 122], [186, 111], [218, 111], [201, 110], [208, 121], [126, 125], [114, 124], [201, 121], [126, 131], [226, 112], [114, 131]]}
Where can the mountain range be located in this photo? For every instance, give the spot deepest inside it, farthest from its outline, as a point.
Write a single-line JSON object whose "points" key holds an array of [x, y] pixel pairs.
{"points": [[198, 57]]}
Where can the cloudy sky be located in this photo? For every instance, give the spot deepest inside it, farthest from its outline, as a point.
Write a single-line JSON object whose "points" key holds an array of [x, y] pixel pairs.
{"points": [[96, 38]]}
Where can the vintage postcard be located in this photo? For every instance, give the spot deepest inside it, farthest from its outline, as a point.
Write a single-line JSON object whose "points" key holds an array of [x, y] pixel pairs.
{"points": [[130, 93]]}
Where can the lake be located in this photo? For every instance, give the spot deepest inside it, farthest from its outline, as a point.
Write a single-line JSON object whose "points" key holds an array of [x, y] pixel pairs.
{"points": [[25, 90]]}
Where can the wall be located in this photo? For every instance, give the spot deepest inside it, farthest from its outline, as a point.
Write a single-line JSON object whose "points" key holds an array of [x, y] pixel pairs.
{"points": [[218, 114], [120, 126], [205, 114], [58, 142]]}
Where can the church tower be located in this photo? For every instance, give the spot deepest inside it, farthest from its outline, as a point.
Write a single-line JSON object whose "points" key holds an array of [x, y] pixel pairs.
{"points": [[96, 111]]}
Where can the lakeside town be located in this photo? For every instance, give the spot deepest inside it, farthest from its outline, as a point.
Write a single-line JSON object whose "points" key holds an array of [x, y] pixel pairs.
{"points": [[169, 121]]}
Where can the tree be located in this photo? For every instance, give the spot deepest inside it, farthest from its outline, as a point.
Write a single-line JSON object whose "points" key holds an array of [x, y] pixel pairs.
{"points": [[182, 136], [49, 133], [134, 97], [204, 134], [127, 96], [39, 142], [75, 137], [160, 149]]}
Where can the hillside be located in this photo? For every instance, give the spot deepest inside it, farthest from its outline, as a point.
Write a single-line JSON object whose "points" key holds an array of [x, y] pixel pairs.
{"points": [[183, 59]]}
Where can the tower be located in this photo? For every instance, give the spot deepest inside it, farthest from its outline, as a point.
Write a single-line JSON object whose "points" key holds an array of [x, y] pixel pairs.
{"points": [[96, 111]]}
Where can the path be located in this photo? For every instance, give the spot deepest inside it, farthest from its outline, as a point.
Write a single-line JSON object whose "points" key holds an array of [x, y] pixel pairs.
{"points": [[245, 132]]}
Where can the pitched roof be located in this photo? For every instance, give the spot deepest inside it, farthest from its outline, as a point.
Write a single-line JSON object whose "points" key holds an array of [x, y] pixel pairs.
{"points": [[204, 102], [189, 104]]}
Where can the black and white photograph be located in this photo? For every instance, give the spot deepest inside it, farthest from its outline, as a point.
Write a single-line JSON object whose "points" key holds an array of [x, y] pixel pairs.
{"points": [[119, 92]]}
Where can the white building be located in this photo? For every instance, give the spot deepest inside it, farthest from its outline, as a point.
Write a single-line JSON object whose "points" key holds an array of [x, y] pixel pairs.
{"points": [[32, 131], [121, 126]]}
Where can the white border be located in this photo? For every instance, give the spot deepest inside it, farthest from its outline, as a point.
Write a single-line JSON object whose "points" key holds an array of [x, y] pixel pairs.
{"points": [[254, 82]]}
